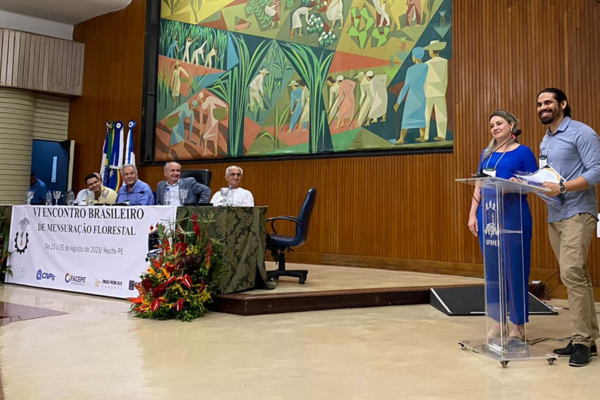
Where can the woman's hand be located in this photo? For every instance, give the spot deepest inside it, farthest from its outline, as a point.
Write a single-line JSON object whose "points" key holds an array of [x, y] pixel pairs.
{"points": [[472, 224]]}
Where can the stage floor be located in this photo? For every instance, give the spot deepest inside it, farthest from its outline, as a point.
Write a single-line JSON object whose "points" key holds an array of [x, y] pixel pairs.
{"points": [[98, 350], [331, 287], [326, 277]]}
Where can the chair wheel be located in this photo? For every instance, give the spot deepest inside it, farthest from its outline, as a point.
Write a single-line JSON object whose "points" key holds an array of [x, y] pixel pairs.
{"points": [[302, 280]]}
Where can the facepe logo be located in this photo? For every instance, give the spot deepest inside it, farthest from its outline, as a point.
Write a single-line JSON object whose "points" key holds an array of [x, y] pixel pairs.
{"points": [[41, 275], [75, 279]]}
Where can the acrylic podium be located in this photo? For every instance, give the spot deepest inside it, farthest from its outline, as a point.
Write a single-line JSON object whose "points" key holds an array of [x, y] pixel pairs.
{"points": [[506, 287]]}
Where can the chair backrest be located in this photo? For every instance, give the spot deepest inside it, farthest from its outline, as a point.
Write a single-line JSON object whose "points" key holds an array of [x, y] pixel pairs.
{"points": [[202, 176], [304, 216]]}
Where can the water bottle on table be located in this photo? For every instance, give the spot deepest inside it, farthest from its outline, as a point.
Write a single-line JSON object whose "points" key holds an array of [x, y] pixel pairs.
{"points": [[70, 198], [48, 198], [229, 201]]}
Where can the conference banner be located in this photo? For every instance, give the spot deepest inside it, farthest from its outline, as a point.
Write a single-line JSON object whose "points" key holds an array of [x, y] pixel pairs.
{"points": [[97, 250]]}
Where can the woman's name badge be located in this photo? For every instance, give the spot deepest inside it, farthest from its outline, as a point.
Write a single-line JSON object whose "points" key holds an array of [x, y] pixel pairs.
{"points": [[490, 172], [543, 161]]}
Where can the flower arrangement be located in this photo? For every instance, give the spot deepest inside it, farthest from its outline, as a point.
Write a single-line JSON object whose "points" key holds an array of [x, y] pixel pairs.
{"points": [[178, 283]]}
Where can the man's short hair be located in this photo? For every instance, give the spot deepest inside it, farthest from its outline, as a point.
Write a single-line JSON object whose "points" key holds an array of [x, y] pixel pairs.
{"points": [[130, 165], [559, 96], [234, 166], [90, 176], [170, 162]]}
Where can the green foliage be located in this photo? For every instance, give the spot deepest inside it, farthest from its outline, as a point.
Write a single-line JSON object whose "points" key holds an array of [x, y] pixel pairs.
{"points": [[362, 22], [233, 88], [380, 36], [257, 8], [313, 70]]}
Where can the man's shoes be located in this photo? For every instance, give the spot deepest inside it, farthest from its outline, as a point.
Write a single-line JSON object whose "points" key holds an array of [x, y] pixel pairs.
{"points": [[567, 351], [581, 356]]}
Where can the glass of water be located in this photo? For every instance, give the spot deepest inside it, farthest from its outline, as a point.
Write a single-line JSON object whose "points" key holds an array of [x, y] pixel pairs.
{"points": [[29, 196], [104, 195], [224, 192], [89, 198], [56, 194], [182, 195]]}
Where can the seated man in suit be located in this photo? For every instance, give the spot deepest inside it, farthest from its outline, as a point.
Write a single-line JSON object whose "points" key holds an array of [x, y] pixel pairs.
{"points": [[94, 184], [241, 196], [134, 192], [196, 192]]}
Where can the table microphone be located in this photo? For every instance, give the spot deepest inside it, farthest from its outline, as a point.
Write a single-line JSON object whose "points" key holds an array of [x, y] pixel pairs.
{"points": [[513, 136]]}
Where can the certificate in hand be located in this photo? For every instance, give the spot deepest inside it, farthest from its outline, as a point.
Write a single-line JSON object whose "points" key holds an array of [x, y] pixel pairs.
{"points": [[537, 178], [546, 174]]}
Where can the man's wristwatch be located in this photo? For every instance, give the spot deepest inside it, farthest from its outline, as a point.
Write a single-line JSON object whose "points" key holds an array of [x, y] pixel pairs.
{"points": [[562, 188]]}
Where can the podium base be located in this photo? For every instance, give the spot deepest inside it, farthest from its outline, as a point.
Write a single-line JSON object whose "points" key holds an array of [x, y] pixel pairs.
{"points": [[513, 349]]}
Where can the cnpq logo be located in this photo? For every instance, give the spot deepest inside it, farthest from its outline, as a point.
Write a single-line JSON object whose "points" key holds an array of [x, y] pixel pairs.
{"points": [[74, 279], [22, 236], [41, 275]]}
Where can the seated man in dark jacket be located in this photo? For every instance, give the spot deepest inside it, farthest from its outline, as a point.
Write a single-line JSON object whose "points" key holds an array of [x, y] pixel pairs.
{"points": [[168, 191]]}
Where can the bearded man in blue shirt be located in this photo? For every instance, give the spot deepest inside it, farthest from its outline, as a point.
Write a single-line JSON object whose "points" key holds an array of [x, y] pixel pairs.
{"points": [[573, 150]]}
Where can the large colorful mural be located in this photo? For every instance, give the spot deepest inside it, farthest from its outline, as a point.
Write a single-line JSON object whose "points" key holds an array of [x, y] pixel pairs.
{"points": [[247, 78]]}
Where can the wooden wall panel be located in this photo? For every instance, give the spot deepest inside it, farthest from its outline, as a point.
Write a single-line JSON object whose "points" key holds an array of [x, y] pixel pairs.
{"points": [[40, 63], [389, 209], [112, 82]]}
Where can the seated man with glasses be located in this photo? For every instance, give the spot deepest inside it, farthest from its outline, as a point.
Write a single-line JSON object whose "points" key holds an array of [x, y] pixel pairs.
{"points": [[102, 194], [134, 192], [241, 196]]}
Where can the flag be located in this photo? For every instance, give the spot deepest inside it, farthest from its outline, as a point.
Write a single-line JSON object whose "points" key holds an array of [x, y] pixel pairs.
{"points": [[129, 154], [105, 151], [115, 157]]}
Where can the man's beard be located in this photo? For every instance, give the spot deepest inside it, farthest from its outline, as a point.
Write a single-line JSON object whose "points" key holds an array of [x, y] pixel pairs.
{"points": [[548, 119]]}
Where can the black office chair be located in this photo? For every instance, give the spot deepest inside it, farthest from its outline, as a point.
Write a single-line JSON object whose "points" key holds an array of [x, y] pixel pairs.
{"points": [[278, 244], [202, 176]]}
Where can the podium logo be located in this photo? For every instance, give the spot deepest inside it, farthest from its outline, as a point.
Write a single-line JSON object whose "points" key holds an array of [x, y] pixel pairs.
{"points": [[74, 279], [41, 275], [490, 220]]}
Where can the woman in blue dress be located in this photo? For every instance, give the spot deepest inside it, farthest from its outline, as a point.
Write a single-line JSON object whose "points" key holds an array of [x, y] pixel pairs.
{"points": [[502, 158]]}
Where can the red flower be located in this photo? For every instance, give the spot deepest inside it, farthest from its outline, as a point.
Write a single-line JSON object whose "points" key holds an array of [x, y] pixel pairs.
{"points": [[196, 226], [181, 247], [137, 300], [187, 281], [147, 283], [179, 304], [159, 290], [155, 305], [169, 267], [170, 280]]}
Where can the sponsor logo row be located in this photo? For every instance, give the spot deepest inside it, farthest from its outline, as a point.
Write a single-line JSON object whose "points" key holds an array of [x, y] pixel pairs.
{"points": [[78, 280]]}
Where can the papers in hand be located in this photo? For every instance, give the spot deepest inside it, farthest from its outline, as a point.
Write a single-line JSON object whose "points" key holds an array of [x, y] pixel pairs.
{"points": [[537, 178]]}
